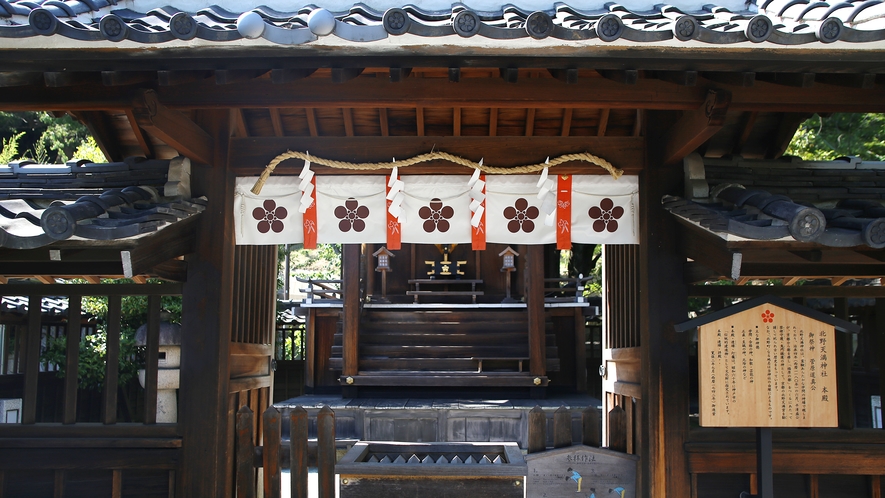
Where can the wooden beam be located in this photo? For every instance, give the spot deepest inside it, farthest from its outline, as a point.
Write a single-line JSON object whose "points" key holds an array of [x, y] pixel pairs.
{"points": [[252, 155], [509, 74], [709, 251], [791, 281], [139, 279], [70, 78], [569, 75], [144, 141], [276, 122], [174, 78], [166, 244], [685, 78], [533, 262], [419, 120], [567, 122], [240, 123], [398, 74], [863, 81], [102, 130], [345, 74], [747, 123], [786, 129], [382, 117], [229, 76], [92, 279], [745, 79], [695, 127], [493, 122], [312, 122], [173, 127], [347, 114], [20, 78], [456, 121], [454, 74], [120, 78], [43, 279], [530, 122], [799, 80], [624, 77], [351, 291], [837, 281], [603, 122], [639, 123], [817, 291], [281, 76]]}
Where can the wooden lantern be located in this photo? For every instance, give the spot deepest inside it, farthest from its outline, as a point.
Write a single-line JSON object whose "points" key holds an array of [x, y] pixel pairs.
{"points": [[508, 265], [383, 265]]}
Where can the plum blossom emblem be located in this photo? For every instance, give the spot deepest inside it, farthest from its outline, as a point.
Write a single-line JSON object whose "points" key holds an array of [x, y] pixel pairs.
{"points": [[606, 215], [351, 215], [436, 216], [521, 215], [270, 217], [767, 317]]}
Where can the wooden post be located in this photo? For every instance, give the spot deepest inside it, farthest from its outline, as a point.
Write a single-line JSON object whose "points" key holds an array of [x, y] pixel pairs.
{"points": [[112, 366], [298, 451], [245, 476], [350, 286], [152, 358], [844, 359], [207, 304], [32, 360], [562, 427], [534, 297], [72, 357], [537, 440], [271, 456], [617, 429], [326, 457], [663, 424], [592, 427]]}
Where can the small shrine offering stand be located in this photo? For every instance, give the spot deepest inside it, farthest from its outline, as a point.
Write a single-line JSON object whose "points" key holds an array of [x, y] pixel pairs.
{"points": [[767, 362]]}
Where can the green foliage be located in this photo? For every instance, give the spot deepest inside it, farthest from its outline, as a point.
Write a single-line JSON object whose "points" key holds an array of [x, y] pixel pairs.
{"points": [[10, 148], [45, 138], [89, 150], [322, 263], [93, 352], [828, 138]]}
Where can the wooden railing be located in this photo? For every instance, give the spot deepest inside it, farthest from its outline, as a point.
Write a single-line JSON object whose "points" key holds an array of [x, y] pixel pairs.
{"points": [[538, 439], [58, 456], [273, 455], [566, 288], [325, 291]]}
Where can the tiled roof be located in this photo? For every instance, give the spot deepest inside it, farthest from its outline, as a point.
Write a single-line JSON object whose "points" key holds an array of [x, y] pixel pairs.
{"points": [[773, 22], [42, 204]]}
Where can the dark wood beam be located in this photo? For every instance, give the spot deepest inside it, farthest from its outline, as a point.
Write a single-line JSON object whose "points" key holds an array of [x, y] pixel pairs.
{"points": [[799, 80], [169, 243], [569, 75], [454, 74], [419, 121], [240, 123], [625, 77], [102, 130], [567, 122], [602, 126], [709, 251], [819, 291], [382, 117], [174, 78], [344, 74], [509, 74], [144, 141], [251, 155], [685, 78], [347, 114], [229, 76], [456, 121], [493, 121], [745, 79], [530, 122], [864, 81], [70, 78], [533, 264], [280, 76], [398, 74], [20, 78], [786, 129], [350, 288], [695, 127], [120, 78], [747, 124], [312, 122], [172, 127], [276, 122]]}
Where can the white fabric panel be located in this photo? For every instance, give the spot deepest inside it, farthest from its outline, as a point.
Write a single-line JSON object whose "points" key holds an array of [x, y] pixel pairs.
{"points": [[437, 210], [271, 217], [513, 211], [351, 209], [605, 210]]}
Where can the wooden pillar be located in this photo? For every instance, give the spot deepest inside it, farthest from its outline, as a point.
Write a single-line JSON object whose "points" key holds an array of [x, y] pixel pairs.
{"points": [[534, 298], [350, 285], [663, 406], [206, 468]]}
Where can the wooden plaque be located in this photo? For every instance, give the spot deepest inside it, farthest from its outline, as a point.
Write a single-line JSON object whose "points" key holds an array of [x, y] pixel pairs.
{"points": [[581, 471], [767, 367]]}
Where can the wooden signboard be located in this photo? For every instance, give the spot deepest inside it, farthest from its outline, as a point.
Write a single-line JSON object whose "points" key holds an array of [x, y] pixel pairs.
{"points": [[767, 367], [581, 471]]}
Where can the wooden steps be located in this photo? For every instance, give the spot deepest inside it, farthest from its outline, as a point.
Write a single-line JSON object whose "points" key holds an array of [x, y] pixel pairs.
{"points": [[445, 347]]}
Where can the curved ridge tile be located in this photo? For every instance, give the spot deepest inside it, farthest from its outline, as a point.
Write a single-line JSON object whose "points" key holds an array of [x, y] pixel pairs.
{"points": [[860, 8]]}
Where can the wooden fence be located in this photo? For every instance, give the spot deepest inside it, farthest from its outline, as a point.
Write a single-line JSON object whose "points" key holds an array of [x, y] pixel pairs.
{"points": [[273, 455]]}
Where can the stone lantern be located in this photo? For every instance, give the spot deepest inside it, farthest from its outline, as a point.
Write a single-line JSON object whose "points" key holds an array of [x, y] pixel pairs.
{"points": [[169, 363]]}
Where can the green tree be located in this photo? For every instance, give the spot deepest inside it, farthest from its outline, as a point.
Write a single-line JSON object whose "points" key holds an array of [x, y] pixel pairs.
{"points": [[42, 137], [827, 138]]}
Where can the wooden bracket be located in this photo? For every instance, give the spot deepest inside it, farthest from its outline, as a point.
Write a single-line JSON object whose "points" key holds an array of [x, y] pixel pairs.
{"points": [[172, 127], [695, 127]]}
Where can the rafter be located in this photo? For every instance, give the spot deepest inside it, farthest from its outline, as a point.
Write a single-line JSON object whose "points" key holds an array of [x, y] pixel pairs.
{"points": [[456, 121], [530, 122], [347, 114], [603, 122], [566, 122], [276, 122], [312, 121], [144, 142], [695, 127], [382, 117], [172, 127], [101, 129]]}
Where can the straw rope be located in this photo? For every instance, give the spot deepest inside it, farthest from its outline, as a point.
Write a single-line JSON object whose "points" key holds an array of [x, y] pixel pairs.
{"points": [[431, 156]]}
